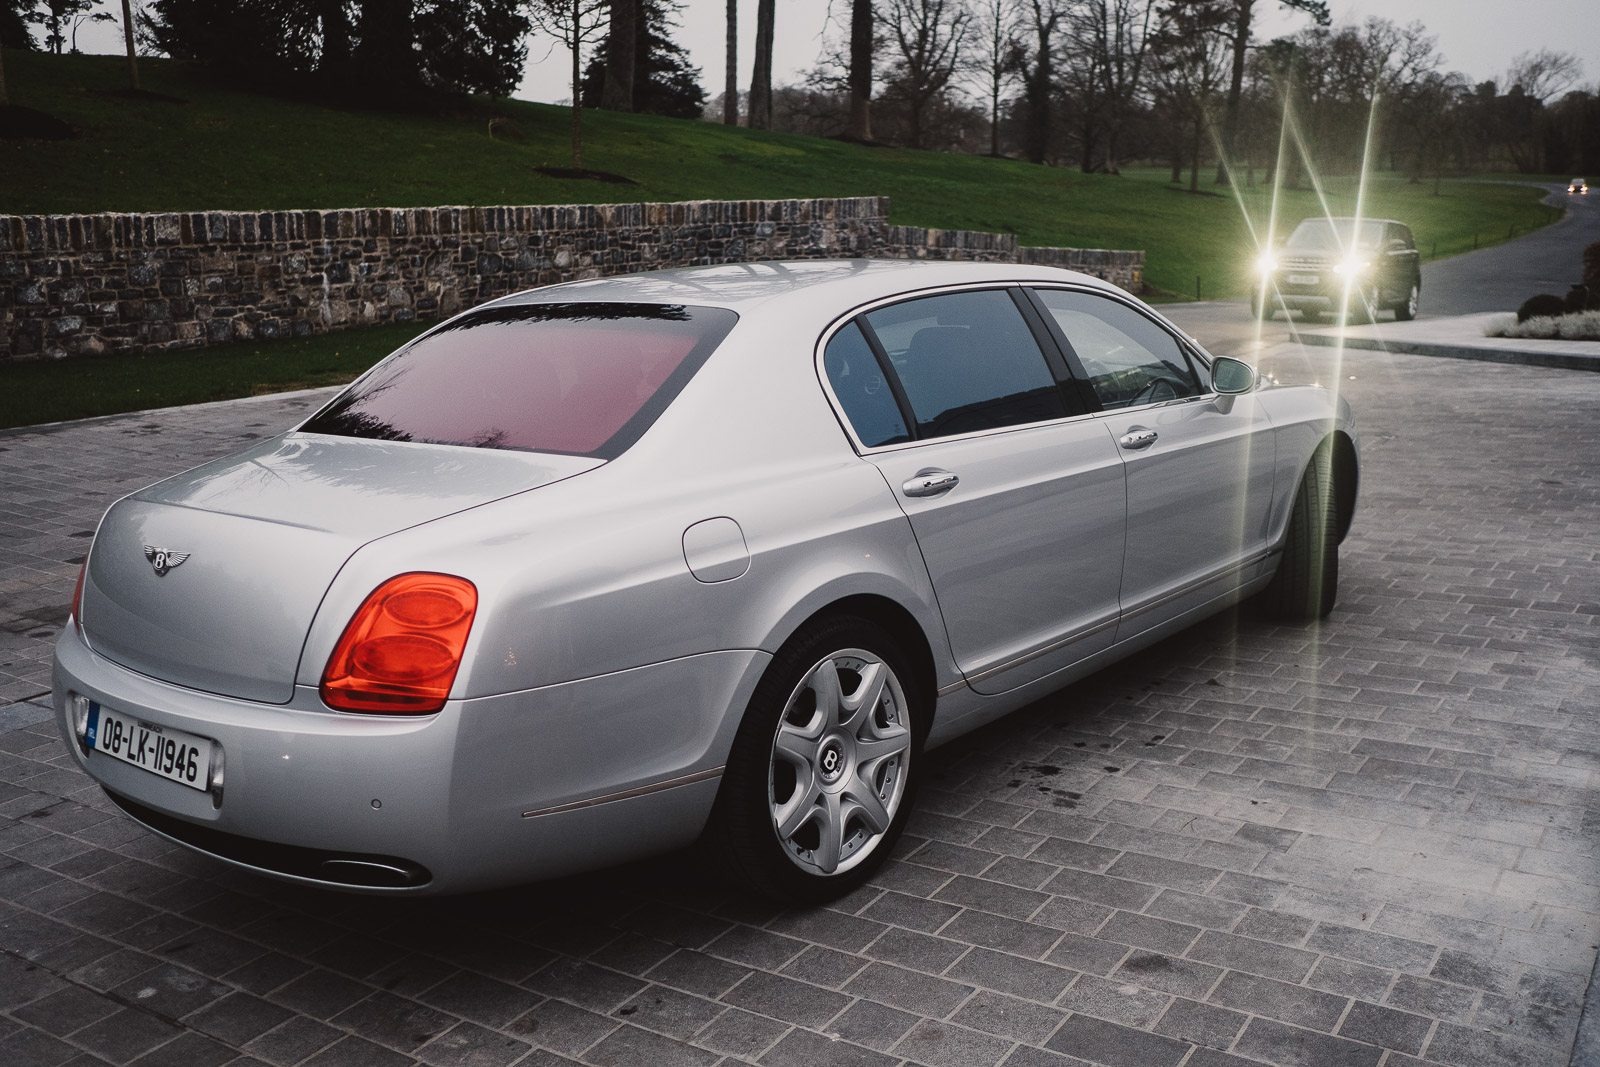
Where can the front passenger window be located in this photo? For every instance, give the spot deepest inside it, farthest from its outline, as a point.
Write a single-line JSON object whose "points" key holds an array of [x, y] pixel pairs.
{"points": [[1129, 358]]}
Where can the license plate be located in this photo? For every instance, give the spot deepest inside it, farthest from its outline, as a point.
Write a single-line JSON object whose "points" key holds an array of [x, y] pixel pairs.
{"points": [[161, 750], [1302, 279]]}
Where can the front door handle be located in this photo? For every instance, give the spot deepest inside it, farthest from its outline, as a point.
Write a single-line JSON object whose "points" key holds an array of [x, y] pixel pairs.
{"points": [[1137, 439], [929, 482]]}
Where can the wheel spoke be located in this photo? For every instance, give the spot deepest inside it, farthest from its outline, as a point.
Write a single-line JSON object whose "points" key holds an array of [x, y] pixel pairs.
{"points": [[799, 809], [860, 704], [830, 832], [864, 802], [871, 751], [797, 746], [824, 683]]}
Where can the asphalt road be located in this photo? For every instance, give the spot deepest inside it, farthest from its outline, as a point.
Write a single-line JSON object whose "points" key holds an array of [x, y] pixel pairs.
{"points": [[1492, 279]]}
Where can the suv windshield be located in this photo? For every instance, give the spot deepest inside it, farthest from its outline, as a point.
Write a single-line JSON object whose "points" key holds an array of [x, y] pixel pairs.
{"points": [[1331, 235], [583, 379]]}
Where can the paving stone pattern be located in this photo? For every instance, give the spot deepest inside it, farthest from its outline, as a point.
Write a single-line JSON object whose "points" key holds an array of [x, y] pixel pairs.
{"points": [[1369, 843]]}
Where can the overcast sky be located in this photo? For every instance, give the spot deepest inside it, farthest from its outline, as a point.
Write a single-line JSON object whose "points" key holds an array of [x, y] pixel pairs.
{"points": [[1478, 37]]}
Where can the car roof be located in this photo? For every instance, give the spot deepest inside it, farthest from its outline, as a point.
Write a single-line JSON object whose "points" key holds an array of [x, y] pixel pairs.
{"points": [[838, 283]]}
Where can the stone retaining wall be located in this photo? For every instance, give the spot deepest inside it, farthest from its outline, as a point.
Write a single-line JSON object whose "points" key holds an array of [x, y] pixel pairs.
{"points": [[90, 284]]}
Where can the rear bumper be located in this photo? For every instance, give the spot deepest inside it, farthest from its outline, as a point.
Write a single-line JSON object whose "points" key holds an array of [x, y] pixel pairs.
{"points": [[488, 791]]}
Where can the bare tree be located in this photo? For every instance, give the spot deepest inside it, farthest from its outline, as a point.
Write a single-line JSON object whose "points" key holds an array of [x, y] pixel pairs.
{"points": [[760, 104], [995, 57], [926, 37], [573, 24], [1238, 29], [1119, 33], [1545, 73], [1043, 18], [862, 40], [1191, 44], [730, 81]]}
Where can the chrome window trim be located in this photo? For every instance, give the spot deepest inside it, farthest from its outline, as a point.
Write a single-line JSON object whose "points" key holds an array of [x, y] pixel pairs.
{"points": [[899, 298], [1109, 292]]}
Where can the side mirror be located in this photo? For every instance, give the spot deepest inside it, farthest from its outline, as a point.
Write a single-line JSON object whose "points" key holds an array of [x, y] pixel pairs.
{"points": [[1232, 377], [1398, 245]]}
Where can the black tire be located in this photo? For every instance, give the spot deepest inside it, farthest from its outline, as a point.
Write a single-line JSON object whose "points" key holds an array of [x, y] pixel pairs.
{"points": [[761, 781], [1406, 310], [1258, 304], [1307, 581]]}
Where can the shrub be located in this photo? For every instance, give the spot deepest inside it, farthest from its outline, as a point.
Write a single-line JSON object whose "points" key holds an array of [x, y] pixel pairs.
{"points": [[1584, 326], [1545, 305]]}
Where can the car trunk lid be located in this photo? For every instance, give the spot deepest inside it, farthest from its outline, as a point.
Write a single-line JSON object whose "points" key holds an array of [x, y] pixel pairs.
{"points": [[210, 579]]}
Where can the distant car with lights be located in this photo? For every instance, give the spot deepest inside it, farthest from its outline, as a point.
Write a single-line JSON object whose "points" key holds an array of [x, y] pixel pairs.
{"points": [[1363, 266], [1578, 186], [591, 570]]}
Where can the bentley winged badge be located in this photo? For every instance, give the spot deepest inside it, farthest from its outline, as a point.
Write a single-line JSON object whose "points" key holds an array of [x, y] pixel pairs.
{"points": [[162, 559]]}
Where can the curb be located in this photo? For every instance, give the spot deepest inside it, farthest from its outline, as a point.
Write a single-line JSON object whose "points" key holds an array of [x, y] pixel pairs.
{"points": [[1485, 353]]}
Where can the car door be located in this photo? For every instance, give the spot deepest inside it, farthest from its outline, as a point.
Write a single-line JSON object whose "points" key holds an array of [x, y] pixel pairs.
{"points": [[1199, 471], [1016, 497]]}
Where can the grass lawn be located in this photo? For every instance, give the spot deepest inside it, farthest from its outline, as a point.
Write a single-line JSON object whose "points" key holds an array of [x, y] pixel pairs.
{"points": [[57, 390], [224, 149]]}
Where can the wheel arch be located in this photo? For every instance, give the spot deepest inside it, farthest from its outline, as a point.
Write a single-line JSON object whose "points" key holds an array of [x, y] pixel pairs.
{"points": [[901, 625]]}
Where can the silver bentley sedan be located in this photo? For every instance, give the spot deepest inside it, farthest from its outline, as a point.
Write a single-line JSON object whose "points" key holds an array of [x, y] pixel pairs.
{"points": [[593, 570]]}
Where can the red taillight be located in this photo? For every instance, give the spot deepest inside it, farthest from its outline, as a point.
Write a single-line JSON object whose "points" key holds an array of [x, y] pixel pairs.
{"points": [[77, 597], [400, 653]]}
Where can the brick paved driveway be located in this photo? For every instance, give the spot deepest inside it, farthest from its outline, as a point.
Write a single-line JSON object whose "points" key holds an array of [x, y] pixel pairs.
{"points": [[1357, 844]]}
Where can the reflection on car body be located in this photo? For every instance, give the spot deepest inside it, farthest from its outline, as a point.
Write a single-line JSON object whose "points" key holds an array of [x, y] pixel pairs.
{"points": [[596, 569]]}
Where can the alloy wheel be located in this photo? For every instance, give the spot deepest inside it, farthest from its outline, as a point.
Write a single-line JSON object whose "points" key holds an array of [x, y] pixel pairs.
{"points": [[839, 762]]}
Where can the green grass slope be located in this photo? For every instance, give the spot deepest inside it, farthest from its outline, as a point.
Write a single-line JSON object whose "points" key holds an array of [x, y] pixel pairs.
{"points": [[224, 149]]}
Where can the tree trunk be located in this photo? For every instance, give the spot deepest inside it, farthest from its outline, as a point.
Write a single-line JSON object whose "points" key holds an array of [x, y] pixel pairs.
{"points": [[577, 89], [1230, 118], [761, 80], [1194, 158], [127, 33], [385, 61], [335, 59], [730, 80], [1177, 165], [861, 71], [623, 39], [5, 100], [994, 117]]}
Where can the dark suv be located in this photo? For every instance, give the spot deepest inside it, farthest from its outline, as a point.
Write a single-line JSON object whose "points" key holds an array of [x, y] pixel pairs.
{"points": [[1375, 260]]}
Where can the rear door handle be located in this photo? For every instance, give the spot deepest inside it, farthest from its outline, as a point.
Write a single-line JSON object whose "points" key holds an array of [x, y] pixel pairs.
{"points": [[929, 482], [1137, 439]]}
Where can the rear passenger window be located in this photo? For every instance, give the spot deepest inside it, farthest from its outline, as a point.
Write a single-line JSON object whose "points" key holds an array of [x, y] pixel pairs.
{"points": [[858, 382], [1129, 358], [967, 361]]}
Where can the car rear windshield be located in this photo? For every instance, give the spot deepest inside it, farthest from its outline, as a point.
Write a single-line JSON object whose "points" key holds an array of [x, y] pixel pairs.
{"points": [[584, 379], [1334, 234]]}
